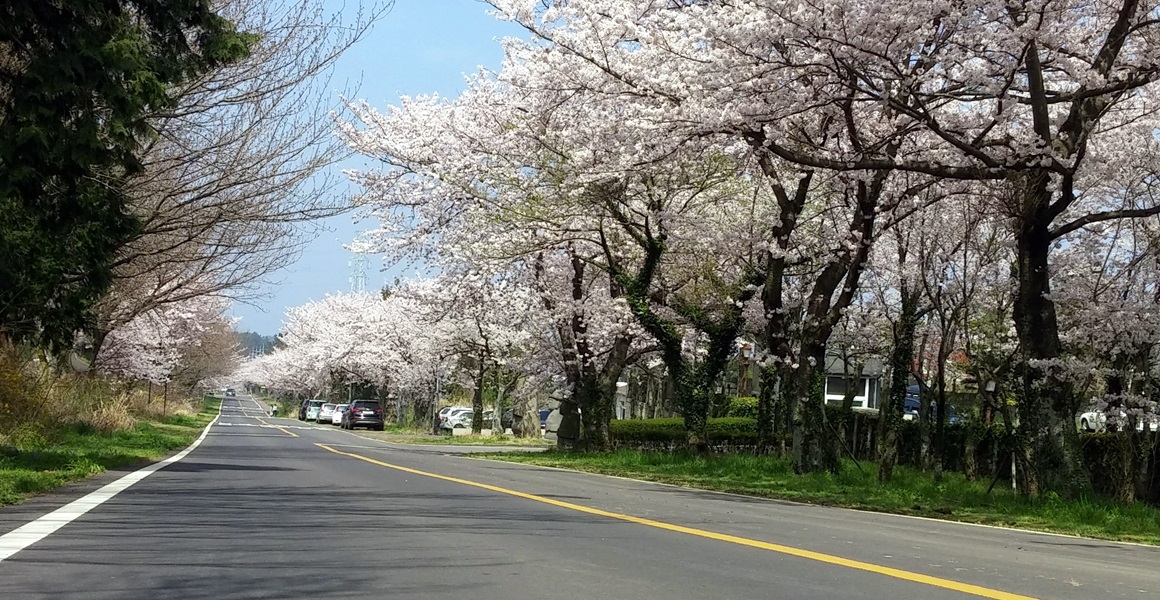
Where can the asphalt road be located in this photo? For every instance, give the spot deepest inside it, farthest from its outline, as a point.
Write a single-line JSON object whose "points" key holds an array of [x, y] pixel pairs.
{"points": [[305, 511]]}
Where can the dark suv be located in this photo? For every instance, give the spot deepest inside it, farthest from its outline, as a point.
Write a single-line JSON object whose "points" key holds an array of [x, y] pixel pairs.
{"points": [[363, 413]]}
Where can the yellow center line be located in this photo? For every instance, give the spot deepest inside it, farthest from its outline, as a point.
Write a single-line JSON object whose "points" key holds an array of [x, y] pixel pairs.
{"points": [[957, 586], [278, 427]]}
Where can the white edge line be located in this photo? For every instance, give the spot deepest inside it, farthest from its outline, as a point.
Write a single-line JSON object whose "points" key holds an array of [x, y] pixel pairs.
{"points": [[24, 536]]}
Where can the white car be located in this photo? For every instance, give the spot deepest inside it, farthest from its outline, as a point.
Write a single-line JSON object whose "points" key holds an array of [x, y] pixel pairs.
{"points": [[325, 412], [447, 412], [1092, 420], [336, 415], [457, 419]]}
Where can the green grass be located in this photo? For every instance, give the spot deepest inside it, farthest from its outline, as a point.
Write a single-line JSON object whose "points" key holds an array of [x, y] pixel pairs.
{"points": [[910, 493], [76, 452], [405, 430]]}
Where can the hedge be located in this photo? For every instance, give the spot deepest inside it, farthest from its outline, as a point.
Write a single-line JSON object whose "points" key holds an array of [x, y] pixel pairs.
{"points": [[1108, 456], [739, 433], [650, 433], [969, 447]]}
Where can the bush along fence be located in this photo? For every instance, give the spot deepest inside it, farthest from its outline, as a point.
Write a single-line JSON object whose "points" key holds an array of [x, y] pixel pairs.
{"points": [[1119, 470]]}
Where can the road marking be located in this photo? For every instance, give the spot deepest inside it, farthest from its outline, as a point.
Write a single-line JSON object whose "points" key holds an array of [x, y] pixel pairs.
{"points": [[957, 586], [268, 425], [24, 536], [278, 427]]}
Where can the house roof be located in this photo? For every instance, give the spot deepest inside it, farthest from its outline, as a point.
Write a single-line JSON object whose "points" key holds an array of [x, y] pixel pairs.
{"points": [[872, 366]]}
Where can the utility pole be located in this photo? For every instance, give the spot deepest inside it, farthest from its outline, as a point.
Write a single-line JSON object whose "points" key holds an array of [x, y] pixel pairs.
{"points": [[358, 273]]}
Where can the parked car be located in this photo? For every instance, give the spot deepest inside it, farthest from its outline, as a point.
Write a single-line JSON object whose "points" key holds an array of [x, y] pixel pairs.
{"points": [[446, 410], [461, 419], [312, 408], [911, 406], [339, 411], [325, 411], [363, 413], [449, 412], [1094, 420], [457, 419], [1091, 420]]}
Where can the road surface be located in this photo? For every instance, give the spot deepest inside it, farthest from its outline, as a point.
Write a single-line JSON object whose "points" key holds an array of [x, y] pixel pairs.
{"points": [[275, 508]]}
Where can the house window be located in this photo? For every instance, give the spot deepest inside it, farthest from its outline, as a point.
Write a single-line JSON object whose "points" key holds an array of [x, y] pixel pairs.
{"points": [[836, 386], [836, 391]]}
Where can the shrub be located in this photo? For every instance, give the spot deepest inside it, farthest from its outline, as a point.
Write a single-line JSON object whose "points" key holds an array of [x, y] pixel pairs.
{"points": [[1108, 456], [743, 406], [110, 416], [724, 430], [648, 430]]}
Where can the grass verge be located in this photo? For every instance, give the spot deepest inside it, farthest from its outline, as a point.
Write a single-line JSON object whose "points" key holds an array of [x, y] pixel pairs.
{"points": [[78, 451], [910, 493], [400, 435]]}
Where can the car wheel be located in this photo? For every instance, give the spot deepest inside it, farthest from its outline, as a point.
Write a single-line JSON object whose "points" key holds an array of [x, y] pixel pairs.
{"points": [[379, 428]]}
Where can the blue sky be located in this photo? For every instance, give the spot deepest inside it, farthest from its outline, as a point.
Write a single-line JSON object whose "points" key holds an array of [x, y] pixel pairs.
{"points": [[420, 47]]}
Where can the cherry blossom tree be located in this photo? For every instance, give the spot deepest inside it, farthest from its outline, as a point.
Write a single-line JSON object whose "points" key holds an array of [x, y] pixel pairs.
{"points": [[164, 344], [1031, 97], [1110, 312], [460, 165]]}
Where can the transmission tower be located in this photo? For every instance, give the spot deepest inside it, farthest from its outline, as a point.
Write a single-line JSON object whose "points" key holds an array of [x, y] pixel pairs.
{"points": [[358, 273]]}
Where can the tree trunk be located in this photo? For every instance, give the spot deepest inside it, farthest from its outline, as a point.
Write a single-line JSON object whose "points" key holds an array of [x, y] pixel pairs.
{"points": [[1048, 404], [970, 450], [99, 336], [852, 378], [600, 407], [767, 408], [924, 404], [901, 357], [807, 397], [693, 398], [477, 400], [940, 412], [596, 422]]}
